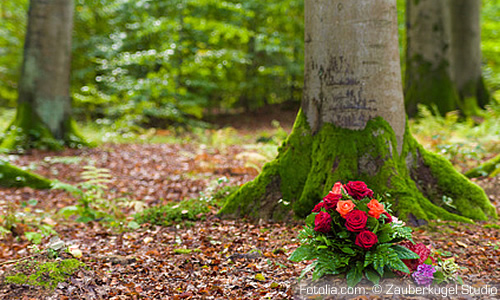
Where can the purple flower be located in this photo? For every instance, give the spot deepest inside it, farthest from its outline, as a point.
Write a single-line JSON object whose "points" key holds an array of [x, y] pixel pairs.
{"points": [[424, 274]]}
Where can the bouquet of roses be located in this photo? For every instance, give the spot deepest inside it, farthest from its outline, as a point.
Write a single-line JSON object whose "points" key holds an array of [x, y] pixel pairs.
{"points": [[349, 232]]}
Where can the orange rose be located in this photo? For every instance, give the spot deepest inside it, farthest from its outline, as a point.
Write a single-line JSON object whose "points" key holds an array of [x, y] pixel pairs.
{"points": [[345, 207], [376, 208]]}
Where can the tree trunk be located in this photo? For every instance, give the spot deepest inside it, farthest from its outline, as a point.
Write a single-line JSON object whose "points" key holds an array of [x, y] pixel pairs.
{"points": [[443, 59], [352, 126], [43, 116], [428, 57], [466, 54]]}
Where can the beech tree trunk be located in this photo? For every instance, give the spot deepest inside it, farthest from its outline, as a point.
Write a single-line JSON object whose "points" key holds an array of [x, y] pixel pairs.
{"points": [[352, 126], [428, 57], [466, 53], [43, 118], [443, 56]]}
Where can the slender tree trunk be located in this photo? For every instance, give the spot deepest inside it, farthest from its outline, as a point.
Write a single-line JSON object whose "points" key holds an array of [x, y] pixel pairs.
{"points": [[44, 105], [443, 59], [352, 126], [466, 53], [428, 79]]}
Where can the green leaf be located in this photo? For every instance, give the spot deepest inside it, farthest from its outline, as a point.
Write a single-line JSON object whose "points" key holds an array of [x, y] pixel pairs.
{"points": [[4, 230], [133, 225], [398, 265], [380, 270], [310, 219], [404, 253], [348, 250], [355, 274], [343, 234], [69, 211], [304, 252], [384, 236], [307, 269], [34, 237], [372, 275], [438, 277], [84, 219], [319, 271]]}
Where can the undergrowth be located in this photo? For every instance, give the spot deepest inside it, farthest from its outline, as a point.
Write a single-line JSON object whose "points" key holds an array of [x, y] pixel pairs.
{"points": [[188, 210], [44, 274], [466, 143]]}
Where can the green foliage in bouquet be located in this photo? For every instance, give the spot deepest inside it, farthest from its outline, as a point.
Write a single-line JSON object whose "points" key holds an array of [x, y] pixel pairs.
{"points": [[351, 233]]}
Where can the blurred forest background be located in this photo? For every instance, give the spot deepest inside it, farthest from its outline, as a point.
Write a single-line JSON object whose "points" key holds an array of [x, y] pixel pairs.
{"points": [[138, 65], [157, 63]]}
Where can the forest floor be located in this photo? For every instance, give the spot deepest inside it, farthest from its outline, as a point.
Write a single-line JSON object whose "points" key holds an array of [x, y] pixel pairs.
{"points": [[205, 259]]}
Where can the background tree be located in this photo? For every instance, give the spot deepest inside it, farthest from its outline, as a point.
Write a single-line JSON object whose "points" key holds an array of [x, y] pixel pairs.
{"points": [[428, 79], [352, 126], [466, 54], [43, 116], [443, 56]]}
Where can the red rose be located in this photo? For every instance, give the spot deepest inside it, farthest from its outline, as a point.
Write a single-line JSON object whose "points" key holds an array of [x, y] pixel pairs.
{"points": [[366, 239], [388, 219], [330, 200], [358, 190], [356, 220], [318, 207], [322, 222]]}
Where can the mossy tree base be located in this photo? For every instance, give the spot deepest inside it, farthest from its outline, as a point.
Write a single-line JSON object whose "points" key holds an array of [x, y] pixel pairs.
{"points": [[421, 185], [27, 131], [11, 176]]}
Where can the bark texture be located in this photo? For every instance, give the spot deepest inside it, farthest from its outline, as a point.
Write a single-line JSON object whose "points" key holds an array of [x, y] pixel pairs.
{"points": [[351, 64], [44, 105], [352, 126]]}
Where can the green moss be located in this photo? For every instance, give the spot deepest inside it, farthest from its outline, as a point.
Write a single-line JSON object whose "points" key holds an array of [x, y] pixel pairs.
{"points": [[307, 166], [489, 167], [11, 176], [468, 198], [28, 131], [46, 275], [474, 96], [430, 86], [494, 226], [283, 178]]}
